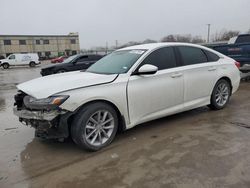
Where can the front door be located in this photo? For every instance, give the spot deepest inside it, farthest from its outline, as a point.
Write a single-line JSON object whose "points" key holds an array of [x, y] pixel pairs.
{"points": [[157, 95]]}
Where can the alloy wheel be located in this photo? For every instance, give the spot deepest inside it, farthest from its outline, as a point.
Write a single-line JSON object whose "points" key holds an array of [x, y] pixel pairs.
{"points": [[99, 128], [222, 94]]}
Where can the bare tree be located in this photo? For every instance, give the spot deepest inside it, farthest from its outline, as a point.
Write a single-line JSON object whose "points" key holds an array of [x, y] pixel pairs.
{"points": [[169, 38], [149, 41], [198, 40], [225, 35]]}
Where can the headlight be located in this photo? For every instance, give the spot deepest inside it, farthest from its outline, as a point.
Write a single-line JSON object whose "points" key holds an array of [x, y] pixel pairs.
{"points": [[49, 103]]}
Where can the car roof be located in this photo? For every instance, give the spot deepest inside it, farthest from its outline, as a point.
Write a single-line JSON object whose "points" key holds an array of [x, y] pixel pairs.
{"points": [[152, 46]]}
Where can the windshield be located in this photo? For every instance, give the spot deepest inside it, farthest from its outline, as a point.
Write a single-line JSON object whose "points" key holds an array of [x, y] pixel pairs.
{"points": [[117, 62], [70, 58]]}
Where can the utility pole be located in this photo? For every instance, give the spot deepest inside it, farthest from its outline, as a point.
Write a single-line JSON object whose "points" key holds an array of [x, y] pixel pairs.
{"points": [[107, 47], [208, 32], [116, 44]]}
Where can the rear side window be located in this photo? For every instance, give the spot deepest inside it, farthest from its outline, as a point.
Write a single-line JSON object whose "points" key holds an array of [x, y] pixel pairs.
{"points": [[192, 55], [83, 58], [243, 39], [163, 58], [211, 56]]}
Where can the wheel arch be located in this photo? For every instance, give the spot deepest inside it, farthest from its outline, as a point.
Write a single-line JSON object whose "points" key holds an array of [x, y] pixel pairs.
{"points": [[121, 119], [228, 80]]}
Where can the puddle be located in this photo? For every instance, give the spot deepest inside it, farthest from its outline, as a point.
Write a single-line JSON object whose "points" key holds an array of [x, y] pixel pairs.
{"points": [[241, 124]]}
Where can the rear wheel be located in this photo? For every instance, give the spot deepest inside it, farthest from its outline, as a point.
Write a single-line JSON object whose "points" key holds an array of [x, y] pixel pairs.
{"points": [[32, 64], [95, 126], [6, 65], [221, 95]]}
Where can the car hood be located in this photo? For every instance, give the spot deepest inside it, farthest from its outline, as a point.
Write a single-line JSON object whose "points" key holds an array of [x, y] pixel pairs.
{"points": [[44, 87]]}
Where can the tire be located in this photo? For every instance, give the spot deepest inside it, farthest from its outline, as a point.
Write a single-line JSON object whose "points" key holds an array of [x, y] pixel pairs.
{"points": [[32, 64], [88, 132], [5, 65], [220, 95], [60, 71]]}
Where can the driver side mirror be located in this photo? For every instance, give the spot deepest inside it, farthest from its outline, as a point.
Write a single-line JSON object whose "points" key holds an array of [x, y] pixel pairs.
{"points": [[147, 69]]}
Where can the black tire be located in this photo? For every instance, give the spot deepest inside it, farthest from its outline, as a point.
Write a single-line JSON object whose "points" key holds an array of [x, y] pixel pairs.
{"points": [[82, 118], [214, 101], [32, 64], [60, 71], [5, 65]]}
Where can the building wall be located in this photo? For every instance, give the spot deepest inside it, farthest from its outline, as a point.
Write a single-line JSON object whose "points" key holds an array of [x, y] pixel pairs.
{"points": [[57, 44]]}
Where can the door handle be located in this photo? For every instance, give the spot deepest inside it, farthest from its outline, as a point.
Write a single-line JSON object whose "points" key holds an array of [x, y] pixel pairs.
{"points": [[212, 69], [176, 75]]}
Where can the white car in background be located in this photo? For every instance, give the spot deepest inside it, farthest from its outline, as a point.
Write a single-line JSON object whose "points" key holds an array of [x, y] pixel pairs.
{"points": [[126, 88], [30, 59]]}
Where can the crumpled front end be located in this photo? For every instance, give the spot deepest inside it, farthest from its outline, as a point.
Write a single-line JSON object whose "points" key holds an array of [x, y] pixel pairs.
{"points": [[49, 123]]}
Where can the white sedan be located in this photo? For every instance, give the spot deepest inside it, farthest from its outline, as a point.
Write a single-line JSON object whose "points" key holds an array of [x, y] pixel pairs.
{"points": [[126, 88]]}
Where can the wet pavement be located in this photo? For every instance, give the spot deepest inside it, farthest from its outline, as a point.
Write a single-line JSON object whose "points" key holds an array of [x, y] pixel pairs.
{"points": [[198, 148]]}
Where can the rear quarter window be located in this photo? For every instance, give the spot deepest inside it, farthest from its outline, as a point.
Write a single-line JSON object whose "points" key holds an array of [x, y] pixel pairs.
{"points": [[211, 56], [192, 55]]}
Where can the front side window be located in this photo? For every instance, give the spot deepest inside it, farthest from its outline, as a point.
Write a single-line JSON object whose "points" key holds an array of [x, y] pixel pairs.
{"points": [[82, 59], [118, 62], [192, 55], [12, 57], [163, 58]]}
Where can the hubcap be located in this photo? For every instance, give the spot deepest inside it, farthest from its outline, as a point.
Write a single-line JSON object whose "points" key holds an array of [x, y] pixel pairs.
{"points": [[222, 94], [99, 128]]}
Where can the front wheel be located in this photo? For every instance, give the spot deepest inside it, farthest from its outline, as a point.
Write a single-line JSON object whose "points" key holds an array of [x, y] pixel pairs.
{"points": [[221, 95], [95, 126], [5, 65], [32, 64]]}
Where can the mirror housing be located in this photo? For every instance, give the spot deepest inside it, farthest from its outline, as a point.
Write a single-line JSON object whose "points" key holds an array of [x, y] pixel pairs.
{"points": [[147, 69]]}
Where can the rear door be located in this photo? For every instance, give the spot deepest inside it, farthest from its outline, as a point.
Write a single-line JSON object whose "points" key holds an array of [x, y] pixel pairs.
{"points": [[159, 94], [200, 74]]}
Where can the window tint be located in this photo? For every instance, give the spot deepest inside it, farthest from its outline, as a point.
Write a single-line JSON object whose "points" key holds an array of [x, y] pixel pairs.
{"points": [[192, 55], [211, 56], [163, 58]]}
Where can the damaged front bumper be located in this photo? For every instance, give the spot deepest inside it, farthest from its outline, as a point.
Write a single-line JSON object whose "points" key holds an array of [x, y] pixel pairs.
{"points": [[37, 115], [48, 124]]}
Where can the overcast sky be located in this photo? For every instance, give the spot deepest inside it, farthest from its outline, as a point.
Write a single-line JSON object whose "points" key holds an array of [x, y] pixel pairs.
{"points": [[98, 21]]}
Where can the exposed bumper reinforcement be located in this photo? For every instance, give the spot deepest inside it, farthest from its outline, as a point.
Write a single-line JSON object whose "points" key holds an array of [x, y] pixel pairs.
{"points": [[37, 115]]}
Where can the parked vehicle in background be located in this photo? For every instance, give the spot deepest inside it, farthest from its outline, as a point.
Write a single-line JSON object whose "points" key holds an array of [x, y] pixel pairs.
{"points": [[72, 63], [58, 59], [237, 48], [30, 59], [125, 88]]}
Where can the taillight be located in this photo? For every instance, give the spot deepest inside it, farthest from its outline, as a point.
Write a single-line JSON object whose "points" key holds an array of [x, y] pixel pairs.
{"points": [[237, 64]]}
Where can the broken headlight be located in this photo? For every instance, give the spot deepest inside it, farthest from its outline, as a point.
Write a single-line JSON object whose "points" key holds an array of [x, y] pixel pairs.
{"points": [[49, 103]]}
